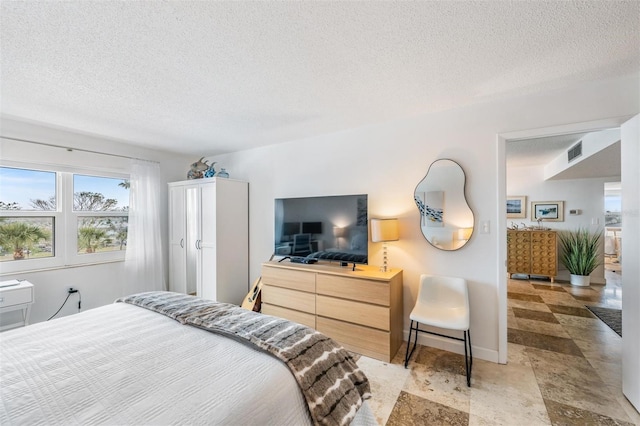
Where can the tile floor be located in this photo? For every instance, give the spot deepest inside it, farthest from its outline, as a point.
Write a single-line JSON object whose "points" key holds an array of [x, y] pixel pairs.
{"points": [[563, 368]]}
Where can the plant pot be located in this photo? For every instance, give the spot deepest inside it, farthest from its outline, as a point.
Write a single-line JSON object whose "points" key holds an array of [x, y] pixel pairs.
{"points": [[581, 280]]}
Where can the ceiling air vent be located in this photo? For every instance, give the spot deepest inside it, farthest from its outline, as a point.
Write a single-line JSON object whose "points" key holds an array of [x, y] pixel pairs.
{"points": [[574, 152]]}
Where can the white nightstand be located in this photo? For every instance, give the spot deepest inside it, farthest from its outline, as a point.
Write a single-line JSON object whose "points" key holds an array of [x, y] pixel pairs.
{"points": [[14, 297]]}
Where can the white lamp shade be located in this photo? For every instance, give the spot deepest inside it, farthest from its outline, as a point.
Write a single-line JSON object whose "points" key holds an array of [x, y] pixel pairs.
{"points": [[384, 230], [339, 232]]}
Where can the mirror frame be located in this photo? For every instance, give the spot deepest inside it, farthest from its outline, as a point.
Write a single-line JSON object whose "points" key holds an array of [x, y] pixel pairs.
{"points": [[464, 197]]}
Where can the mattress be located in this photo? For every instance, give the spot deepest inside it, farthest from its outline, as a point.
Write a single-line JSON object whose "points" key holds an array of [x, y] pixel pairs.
{"points": [[122, 364], [341, 256]]}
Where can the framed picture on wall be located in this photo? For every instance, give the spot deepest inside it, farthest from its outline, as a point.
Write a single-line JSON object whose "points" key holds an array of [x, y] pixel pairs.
{"points": [[516, 206], [550, 211]]}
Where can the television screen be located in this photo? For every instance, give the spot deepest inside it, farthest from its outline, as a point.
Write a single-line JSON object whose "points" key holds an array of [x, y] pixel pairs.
{"points": [[327, 228], [289, 229], [312, 227]]}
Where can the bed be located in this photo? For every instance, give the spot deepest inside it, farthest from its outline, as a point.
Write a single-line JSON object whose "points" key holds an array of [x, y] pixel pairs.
{"points": [[127, 363], [340, 256], [355, 252]]}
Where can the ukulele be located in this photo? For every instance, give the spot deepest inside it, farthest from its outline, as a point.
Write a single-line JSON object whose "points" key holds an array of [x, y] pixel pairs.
{"points": [[253, 300]]}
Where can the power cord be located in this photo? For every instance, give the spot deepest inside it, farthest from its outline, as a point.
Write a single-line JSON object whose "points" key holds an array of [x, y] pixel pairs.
{"points": [[70, 291]]}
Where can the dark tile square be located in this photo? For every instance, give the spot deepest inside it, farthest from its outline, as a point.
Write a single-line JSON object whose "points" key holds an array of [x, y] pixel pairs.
{"points": [[525, 297], [414, 410], [594, 298], [563, 414], [535, 315], [571, 310], [542, 341]]}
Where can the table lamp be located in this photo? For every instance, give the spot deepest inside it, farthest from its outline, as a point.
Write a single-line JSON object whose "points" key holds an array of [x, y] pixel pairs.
{"points": [[382, 231]]}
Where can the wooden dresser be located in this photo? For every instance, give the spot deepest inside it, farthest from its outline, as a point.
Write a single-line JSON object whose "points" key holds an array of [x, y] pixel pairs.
{"points": [[532, 253], [360, 309]]}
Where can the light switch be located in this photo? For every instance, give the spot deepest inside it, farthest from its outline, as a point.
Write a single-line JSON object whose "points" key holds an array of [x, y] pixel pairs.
{"points": [[485, 227]]}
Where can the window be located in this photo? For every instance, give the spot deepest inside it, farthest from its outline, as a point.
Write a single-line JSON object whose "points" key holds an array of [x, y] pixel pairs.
{"points": [[58, 218]]}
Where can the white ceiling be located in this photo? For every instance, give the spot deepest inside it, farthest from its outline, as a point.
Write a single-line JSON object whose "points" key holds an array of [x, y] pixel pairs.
{"points": [[206, 77]]}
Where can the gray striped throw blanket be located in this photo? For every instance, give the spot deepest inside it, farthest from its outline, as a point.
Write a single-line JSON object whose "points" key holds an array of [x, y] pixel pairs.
{"points": [[331, 382]]}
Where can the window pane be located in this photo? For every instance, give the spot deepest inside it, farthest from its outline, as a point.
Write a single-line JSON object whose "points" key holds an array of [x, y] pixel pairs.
{"points": [[26, 238], [94, 193], [24, 189], [101, 234]]}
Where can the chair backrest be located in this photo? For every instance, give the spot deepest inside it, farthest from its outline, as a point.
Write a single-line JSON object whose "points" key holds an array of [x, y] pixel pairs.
{"points": [[301, 244], [443, 291]]}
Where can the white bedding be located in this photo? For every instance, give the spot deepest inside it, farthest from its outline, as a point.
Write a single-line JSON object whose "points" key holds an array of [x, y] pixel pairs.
{"points": [[121, 364]]}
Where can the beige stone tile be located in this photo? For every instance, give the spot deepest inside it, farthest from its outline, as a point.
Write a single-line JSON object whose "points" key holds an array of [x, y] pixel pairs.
{"points": [[514, 303], [386, 380], [584, 324], [592, 349], [572, 381], [475, 420], [523, 287], [557, 298], [609, 372], [580, 291], [438, 383], [633, 414], [517, 354], [507, 394]]}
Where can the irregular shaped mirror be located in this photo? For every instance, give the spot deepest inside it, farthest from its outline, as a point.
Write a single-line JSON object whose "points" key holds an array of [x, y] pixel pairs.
{"points": [[446, 220]]}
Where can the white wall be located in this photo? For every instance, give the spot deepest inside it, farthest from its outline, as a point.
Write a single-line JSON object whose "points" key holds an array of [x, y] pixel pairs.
{"points": [[584, 194], [388, 160], [630, 152], [98, 284]]}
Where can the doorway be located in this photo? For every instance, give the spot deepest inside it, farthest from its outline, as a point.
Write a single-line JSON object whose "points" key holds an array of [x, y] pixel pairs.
{"points": [[532, 137]]}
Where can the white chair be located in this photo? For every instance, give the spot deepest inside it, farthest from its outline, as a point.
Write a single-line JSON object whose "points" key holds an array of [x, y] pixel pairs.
{"points": [[443, 302]]}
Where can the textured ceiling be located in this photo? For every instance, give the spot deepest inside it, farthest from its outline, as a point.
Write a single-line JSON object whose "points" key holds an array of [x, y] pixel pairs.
{"points": [[540, 151], [210, 77]]}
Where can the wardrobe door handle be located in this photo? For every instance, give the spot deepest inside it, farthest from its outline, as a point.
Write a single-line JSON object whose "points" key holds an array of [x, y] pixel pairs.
{"points": [[181, 242]]}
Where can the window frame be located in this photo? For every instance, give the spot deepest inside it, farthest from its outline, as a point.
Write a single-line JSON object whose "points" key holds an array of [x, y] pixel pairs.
{"points": [[65, 227]]}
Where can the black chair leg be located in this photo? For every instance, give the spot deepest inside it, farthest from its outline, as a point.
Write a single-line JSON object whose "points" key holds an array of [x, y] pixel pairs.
{"points": [[408, 354], [468, 361]]}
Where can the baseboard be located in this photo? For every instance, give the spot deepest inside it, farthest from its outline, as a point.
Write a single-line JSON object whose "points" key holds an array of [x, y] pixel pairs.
{"points": [[454, 346]]}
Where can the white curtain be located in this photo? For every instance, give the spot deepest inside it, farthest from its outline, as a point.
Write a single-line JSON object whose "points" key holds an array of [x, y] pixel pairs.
{"points": [[144, 261]]}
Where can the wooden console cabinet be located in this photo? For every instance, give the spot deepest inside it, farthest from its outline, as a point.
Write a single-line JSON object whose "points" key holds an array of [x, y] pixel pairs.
{"points": [[360, 309], [532, 253]]}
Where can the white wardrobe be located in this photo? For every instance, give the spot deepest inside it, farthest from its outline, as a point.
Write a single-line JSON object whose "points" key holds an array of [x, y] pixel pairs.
{"points": [[209, 238]]}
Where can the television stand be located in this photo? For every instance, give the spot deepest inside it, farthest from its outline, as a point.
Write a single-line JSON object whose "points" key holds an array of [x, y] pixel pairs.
{"points": [[362, 309]]}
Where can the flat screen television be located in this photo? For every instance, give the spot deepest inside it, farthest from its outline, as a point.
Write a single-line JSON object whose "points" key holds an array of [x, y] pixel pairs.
{"points": [[325, 228]]}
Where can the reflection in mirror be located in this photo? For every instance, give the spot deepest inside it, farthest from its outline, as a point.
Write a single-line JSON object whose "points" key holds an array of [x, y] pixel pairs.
{"points": [[446, 220]]}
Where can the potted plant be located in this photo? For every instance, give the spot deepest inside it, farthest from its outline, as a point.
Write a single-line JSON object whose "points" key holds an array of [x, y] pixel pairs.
{"points": [[580, 254], [20, 236]]}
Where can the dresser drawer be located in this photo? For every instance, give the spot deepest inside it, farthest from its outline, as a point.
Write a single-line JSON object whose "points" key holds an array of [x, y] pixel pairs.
{"points": [[354, 312], [287, 298], [289, 278], [368, 291], [356, 338], [16, 297], [300, 317]]}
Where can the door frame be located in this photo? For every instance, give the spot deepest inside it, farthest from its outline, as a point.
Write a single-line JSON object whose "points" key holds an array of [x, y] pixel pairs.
{"points": [[501, 145]]}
